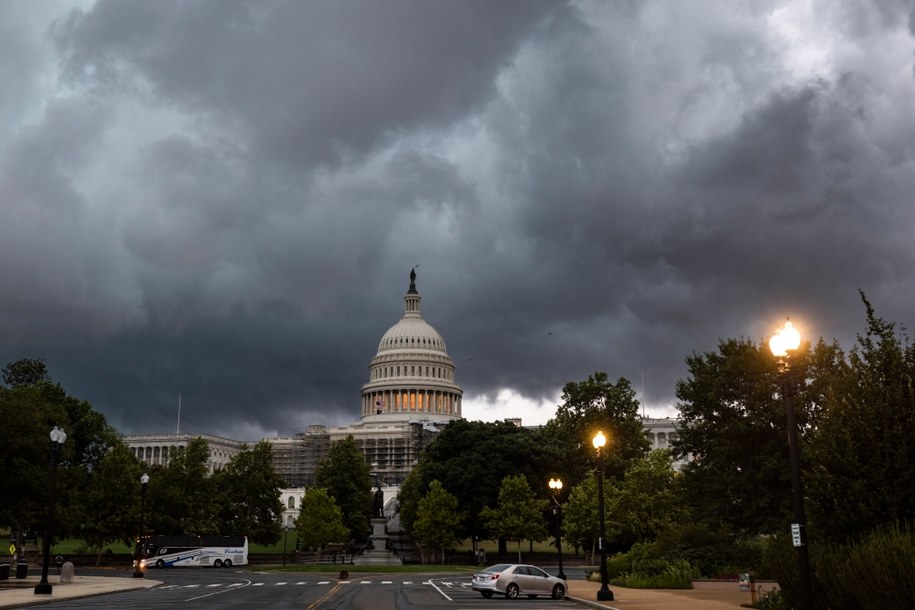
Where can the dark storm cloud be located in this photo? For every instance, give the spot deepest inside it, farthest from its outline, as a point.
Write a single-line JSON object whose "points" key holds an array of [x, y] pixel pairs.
{"points": [[307, 82], [223, 200]]}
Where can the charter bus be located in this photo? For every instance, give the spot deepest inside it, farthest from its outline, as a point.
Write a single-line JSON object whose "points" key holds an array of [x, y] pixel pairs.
{"points": [[181, 551]]}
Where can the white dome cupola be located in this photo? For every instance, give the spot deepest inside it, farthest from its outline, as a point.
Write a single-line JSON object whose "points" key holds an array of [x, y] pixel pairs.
{"points": [[411, 376]]}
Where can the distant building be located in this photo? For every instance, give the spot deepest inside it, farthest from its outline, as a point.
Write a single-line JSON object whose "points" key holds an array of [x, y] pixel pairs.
{"points": [[410, 395], [662, 432], [158, 449]]}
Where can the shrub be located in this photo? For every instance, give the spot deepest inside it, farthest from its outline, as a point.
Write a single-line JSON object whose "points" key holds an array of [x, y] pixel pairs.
{"points": [[676, 575], [644, 568], [714, 554], [874, 572]]}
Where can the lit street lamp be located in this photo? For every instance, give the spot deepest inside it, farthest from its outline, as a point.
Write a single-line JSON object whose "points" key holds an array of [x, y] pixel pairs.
{"points": [[58, 437], [556, 488], [604, 593], [141, 543], [786, 340]]}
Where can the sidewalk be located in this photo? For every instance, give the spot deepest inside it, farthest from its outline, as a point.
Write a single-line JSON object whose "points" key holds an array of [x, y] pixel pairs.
{"points": [[585, 592], [18, 593]]}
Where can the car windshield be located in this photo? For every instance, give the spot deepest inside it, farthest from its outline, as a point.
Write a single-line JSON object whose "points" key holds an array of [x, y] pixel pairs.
{"points": [[499, 567]]}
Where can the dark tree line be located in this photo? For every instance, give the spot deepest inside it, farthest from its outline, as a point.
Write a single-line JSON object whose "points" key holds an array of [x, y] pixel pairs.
{"points": [[98, 479], [856, 413]]}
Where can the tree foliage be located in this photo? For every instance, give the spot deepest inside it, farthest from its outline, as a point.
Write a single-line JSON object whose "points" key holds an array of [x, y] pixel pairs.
{"points": [[519, 513], [25, 372], [466, 457], [320, 520], [733, 425], [580, 516], [592, 405], [648, 499], [248, 496], [439, 519], [182, 496], [109, 506], [347, 477], [863, 449], [30, 407], [855, 414]]}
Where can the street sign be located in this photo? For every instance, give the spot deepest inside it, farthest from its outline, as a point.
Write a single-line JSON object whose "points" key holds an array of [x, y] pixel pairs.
{"points": [[796, 534], [12, 549]]}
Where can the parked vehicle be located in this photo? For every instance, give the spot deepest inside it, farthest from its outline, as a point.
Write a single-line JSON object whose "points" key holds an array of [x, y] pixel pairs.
{"points": [[512, 580]]}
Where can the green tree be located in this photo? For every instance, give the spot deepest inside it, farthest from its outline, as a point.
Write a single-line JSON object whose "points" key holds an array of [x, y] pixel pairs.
{"points": [[181, 496], [248, 500], [592, 405], [648, 499], [31, 405], [519, 514], [320, 520], [863, 450], [438, 520], [109, 506], [733, 425], [579, 514], [466, 457], [346, 476], [25, 372], [24, 461]]}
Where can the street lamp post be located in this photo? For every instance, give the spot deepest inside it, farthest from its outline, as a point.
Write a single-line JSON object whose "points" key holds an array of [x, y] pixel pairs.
{"points": [[604, 593], [285, 540], [784, 341], [556, 488], [58, 436], [141, 544]]}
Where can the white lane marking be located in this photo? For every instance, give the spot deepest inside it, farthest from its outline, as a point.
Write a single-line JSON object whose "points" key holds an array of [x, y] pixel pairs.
{"points": [[233, 587], [442, 593]]}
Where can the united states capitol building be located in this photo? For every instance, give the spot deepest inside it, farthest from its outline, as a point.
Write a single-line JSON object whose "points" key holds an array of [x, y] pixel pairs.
{"points": [[411, 394]]}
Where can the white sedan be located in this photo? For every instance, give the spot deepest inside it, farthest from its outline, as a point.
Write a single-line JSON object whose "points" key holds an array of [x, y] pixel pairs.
{"points": [[513, 579]]}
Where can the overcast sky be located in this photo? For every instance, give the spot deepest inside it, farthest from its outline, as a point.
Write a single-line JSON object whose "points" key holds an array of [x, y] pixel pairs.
{"points": [[223, 199]]}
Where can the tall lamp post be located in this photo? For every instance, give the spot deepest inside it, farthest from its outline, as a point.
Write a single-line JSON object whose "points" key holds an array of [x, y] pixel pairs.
{"points": [[556, 488], [604, 593], [141, 543], [58, 436], [782, 343], [285, 540]]}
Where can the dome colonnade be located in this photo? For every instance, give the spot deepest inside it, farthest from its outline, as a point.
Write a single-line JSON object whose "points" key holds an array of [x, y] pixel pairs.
{"points": [[412, 373]]}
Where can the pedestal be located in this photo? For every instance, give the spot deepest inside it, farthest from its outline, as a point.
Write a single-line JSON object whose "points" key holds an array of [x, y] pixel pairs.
{"points": [[379, 555]]}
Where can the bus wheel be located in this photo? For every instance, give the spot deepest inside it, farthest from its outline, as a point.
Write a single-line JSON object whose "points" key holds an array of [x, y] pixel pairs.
{"points": [[217, 563], [160, 563], [227, 563]]}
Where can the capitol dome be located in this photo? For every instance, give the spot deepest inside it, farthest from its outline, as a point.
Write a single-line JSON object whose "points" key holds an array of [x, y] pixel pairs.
{"points": [[412, 376]]}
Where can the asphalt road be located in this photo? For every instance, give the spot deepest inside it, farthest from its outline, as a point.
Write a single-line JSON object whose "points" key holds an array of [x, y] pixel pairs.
{"points": [[235, 589]]}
